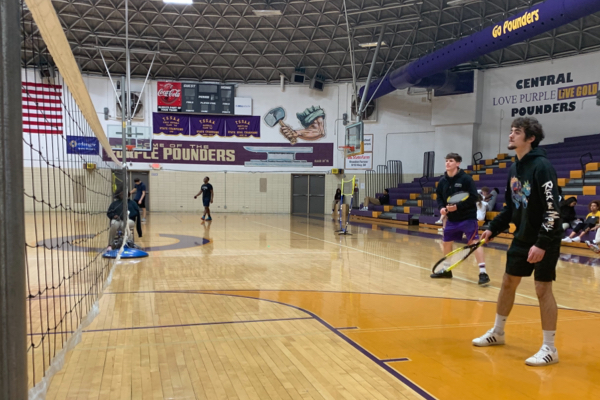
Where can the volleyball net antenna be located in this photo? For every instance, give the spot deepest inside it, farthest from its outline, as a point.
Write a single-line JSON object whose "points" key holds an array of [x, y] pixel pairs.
{"points": [[66, 190], [345, 209]]}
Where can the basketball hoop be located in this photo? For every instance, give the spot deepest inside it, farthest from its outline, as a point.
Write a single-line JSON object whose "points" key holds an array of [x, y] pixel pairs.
{"points": [[130, 147], [346, 148]]}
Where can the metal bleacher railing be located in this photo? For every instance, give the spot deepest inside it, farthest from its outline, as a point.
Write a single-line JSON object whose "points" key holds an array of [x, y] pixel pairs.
{"points": [[383, 177]]}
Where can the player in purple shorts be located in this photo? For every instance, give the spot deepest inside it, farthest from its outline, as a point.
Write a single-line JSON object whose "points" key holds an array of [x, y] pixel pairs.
{"points": [[462, 217]]}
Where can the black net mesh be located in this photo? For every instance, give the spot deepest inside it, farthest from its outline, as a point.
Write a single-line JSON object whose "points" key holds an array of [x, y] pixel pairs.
{"points": [[68, 189]]}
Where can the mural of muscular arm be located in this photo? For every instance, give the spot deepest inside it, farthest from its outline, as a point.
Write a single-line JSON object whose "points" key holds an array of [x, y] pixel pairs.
{"points": [[315, 131]]}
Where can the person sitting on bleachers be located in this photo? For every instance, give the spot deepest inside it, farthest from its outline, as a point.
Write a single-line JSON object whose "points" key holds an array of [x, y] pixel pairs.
{"points": [[381, 201], [489, 197], [482, 207], [568, 214], [590, 223]]}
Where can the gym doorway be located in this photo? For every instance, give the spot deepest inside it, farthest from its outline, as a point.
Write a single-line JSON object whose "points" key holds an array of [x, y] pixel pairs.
{"points": [[308, 194]]}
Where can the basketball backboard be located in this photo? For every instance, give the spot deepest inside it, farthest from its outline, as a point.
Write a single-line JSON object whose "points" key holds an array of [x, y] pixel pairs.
{"points": [[140, 137], [355, 139]]}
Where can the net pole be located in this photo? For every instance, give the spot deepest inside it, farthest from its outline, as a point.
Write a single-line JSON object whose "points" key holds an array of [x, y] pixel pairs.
{"points": [[125, 190], [13, 314]]}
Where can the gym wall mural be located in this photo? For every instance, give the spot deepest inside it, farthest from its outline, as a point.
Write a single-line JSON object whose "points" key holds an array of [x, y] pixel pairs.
{"points": [[312, 120], [196, 145]]}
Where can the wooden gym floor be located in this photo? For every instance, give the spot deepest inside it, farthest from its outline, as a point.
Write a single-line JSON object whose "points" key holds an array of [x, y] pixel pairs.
{"points": [[282, 307]]}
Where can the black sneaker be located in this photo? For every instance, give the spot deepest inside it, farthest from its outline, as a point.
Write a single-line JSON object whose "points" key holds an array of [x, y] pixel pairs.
{"points": [[484, 279], [443, 274]]}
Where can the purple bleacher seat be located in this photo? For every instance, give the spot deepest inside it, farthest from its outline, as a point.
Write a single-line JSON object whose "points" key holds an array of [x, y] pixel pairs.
{"points": [[428, 219], [362, 213]]}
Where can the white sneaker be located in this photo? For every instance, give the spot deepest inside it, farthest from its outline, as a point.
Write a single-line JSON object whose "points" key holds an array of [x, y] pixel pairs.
{"points": [[577, 239], [593, 246], [439, 222], [543, 357], [489, 339], [567, 240], [441, 230]]}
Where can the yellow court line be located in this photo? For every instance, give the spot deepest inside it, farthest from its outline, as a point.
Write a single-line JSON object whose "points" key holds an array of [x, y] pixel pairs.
{"points": [[392, 259]]}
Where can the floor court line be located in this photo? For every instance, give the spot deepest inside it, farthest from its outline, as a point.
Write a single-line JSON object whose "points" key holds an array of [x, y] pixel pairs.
{"points": [[200, 291], [413, 386], [197, 324], [391, 259]]}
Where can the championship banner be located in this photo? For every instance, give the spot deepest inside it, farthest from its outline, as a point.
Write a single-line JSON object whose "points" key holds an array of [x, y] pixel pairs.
{"points": [[207, 126], [280, 155], [243, 127], [168, 96], [170, 124]]}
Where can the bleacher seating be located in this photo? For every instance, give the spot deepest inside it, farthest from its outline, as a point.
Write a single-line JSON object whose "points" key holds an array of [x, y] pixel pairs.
{"points": [[406, 200]]}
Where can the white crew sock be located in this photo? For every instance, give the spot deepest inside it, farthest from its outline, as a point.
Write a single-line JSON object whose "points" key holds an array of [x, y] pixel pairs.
{"points": [[549, 339], [482, 268], [499, 324]]}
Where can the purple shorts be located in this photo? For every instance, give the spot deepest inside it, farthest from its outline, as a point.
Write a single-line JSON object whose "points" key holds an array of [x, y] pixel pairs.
{"points": [[453, 232]]}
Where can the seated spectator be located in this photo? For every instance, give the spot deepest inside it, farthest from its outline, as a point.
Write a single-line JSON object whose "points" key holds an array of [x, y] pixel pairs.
{"points": [[482, 208], [590, 223], [115, 213], [489, 197], [568, 214], [381, 201]]}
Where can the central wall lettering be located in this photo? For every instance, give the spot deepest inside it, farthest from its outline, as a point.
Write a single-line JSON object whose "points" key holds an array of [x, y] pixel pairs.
{"points": [[536, 90]]}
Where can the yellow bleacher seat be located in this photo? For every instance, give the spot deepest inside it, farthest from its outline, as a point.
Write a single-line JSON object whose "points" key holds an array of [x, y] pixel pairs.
{"points": [[589, 190], [475, 177], [489, 171], [592, 166], [576, 174], [563, 181]]}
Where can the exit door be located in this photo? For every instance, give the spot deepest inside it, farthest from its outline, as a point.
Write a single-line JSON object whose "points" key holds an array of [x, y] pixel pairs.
{"points": [[308, 194]]}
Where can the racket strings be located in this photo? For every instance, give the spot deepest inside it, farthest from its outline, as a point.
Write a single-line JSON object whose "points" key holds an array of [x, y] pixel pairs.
{"points": [[456, 257]]}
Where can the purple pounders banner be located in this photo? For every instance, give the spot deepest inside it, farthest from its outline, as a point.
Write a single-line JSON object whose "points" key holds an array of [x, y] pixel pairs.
{"points": [[170, 124], [207, 126], [233, 153], [243, 127]]}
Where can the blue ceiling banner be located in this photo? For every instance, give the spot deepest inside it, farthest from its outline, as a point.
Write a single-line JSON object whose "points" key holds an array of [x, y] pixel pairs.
{"points": [[84, 145]]}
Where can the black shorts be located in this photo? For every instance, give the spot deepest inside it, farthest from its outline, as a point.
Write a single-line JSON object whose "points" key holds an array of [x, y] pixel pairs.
{"points": [[206, 201], [545, 270], [143, 203]]}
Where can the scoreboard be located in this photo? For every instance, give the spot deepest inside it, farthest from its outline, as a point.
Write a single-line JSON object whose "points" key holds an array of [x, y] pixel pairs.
{"points": [[200, 98]]}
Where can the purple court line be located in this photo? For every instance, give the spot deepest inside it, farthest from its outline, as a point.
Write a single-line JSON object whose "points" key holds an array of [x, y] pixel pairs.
{"points": [[172, 326], [51, 333], [417, 389], [347, 327], [197, 324], [396, 360], [203, 291]]}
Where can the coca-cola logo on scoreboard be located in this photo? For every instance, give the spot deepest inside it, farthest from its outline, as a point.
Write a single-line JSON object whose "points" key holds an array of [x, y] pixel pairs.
{"points": [[169, 96]]}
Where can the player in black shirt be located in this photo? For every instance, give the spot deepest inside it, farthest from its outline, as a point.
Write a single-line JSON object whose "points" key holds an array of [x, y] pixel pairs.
{"points": [[532, 205], [207, 198]]}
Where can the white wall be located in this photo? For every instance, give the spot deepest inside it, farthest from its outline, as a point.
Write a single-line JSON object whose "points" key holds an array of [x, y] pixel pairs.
{"points": [[406, 126]]}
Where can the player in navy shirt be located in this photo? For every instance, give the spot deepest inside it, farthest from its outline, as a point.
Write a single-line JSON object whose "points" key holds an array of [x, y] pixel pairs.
{"points": [[140, 196], [207, 197]]}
